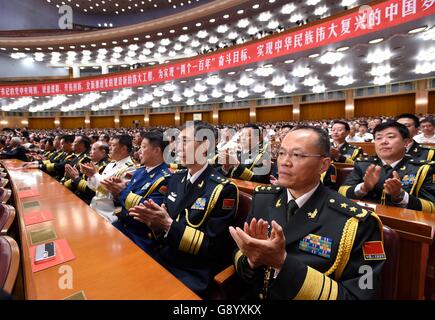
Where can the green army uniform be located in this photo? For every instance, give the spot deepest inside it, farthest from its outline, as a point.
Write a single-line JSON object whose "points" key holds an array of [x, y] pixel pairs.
{"points": [[327, 241], [417, 179]]}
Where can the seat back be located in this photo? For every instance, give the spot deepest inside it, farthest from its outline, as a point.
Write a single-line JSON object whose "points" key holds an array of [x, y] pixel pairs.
{"points": [[7, 216], [390, 270], [217, 291], [245, 201], [9, 263], [5, 194], [342, 174]]}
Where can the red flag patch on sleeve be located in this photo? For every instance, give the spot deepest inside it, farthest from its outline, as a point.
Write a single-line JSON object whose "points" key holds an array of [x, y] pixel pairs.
{"points": [[163, 189], [228, 204], [374, 250]]}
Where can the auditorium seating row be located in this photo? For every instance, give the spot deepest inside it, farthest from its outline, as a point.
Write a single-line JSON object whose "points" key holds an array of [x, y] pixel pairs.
{"points": [[9, 250], [226, 284]]}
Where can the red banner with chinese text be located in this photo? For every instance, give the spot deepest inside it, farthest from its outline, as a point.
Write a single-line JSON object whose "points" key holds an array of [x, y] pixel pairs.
{"points": [[357, 23]]}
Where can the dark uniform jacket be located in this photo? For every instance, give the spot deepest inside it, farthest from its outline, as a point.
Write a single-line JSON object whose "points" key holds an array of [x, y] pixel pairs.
{"points": [[15, 153], [348, 153], [142, 186], [198, 239], [80, 186], [421, 152], [54, 157], [255, 165], [57, 168], [328, 239], [329, 177], [416, 176], [81, 158]]}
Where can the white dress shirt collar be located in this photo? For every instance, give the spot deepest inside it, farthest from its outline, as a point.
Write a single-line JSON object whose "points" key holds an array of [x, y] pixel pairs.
{"points": [[194, 177], [303, 198]]}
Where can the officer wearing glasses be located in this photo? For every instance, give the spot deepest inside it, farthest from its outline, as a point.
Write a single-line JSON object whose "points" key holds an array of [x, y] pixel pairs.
{"points": [[303, 240]]}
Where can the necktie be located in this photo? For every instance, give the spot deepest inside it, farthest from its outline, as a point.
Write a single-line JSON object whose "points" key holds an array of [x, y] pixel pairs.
{"points": [[188, 185], [387, 170], [292, 206]]}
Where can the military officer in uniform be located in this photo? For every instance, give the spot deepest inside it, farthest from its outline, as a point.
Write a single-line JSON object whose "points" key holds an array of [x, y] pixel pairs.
{"points": [[78, 181], [392, 178], [56, 168], [191, 227], [252, 162], [414, 149], [122, 167], [341, 151], [81, 146], [149, 182], [303, 240]]}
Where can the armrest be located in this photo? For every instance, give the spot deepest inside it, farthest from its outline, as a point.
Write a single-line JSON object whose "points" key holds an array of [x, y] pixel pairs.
{"points": [[225, 276]]}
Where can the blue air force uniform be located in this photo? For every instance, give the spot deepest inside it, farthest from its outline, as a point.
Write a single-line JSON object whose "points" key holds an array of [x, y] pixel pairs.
{"points": [[198, 241], [143, 186]]}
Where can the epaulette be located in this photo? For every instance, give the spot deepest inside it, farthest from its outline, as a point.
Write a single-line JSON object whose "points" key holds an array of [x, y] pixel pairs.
{"points": [[349, 208], [129, 164], [422, 146], [166, 174], [353, 147], [367, 159], [218, 179], [267, 189], [421, 162]]}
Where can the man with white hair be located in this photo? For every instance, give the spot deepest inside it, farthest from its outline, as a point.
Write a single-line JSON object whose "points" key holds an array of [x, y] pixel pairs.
{"points": [[17, 151]]}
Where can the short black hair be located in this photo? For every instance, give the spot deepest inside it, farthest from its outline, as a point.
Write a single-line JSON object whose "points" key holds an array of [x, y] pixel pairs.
{"points": [[345, 124], [199, 125], [155, 139], [125, 140], [364, 124], [403, 130], [410, 116], [85, 141], [106, 137], [49, 141], [104, 147], [287, 126], [143, 133], [69, 138], [323, 139], [428, 120]]}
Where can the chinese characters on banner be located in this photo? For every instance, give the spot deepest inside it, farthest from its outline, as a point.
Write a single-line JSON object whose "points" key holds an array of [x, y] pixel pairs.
{"points": [[357, 23]]}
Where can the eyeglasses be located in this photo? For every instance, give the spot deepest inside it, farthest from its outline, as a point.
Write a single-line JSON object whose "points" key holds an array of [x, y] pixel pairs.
{"points": [[296, 156]]}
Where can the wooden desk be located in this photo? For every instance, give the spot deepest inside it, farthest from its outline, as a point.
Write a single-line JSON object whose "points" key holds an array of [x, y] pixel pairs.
{"points": [[416, 231], [368, 147], [107, 265]]}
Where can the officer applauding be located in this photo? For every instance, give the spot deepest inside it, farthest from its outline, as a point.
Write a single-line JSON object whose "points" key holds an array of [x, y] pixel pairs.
{"points": [[191, 226], [392, 178], [303, 240], [341, 151], [413, 148], [148, 182]]}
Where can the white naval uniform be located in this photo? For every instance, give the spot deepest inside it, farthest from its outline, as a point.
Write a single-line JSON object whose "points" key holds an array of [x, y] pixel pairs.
{"points": [[102, 202]]}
